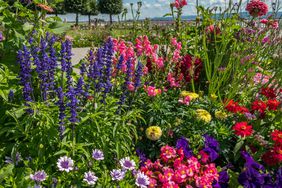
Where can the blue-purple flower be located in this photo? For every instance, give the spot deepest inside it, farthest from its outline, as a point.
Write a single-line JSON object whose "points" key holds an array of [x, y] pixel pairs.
{"points": [[1, 36], [117, 174], [183, 144], [38, 176], [65, 164], [98, 155], [90, 178]]}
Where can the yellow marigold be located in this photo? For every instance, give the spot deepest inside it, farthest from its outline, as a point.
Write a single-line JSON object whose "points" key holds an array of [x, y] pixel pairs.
{"points": [[189, 94], [204, 115], [153, 133], [220, 114]]}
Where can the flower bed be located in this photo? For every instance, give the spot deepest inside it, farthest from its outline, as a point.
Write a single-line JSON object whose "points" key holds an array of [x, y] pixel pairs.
{"points": [[202, 108]]}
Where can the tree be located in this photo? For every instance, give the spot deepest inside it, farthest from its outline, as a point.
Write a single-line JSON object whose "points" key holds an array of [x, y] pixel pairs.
{"points": [[124, 13], [74, 6], [111, 7], [90, 7]]}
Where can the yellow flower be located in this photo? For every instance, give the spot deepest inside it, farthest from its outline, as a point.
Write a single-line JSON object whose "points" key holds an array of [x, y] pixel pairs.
{"points": [[189, 94], [214, 96], [220, 114], [204, 115], [153, 133]]}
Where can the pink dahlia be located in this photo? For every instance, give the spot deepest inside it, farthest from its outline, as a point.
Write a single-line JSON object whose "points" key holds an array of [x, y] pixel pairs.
{"points": [[257, 8]]}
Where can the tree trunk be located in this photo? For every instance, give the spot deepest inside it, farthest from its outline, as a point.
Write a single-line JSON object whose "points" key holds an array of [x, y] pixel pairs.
{"points": [[89, 20], [76, 19], [111, 19]]}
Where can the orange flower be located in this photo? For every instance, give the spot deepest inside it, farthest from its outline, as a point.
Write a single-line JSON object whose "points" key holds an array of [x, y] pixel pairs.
{"points": [[45, 7]]}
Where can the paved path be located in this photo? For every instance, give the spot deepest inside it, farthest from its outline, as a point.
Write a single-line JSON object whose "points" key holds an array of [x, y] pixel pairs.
{"points": [[78, 54]]}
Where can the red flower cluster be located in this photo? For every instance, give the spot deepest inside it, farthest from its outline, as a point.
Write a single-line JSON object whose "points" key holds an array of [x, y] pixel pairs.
{"points": [[234, 107], [261, 106], [257, 8], [243, 129], [277, 137], [174, 170], [274, 155], [268, 93]]}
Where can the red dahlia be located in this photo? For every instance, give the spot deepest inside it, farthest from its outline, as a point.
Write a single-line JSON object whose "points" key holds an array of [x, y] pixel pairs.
{"points": [[273, 104], [234, 107], [243, 129], [277, 137], [257, 8]]}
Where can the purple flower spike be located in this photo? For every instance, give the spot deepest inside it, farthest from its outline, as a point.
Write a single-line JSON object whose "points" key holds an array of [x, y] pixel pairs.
{"points": [[65, 164]]}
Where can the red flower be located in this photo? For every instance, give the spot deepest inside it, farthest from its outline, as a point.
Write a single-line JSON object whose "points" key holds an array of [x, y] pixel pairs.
{"points": [[277, 137], [273, 104], [268, 92], [234, 107], [257, 8], [277, 150], [269, 158], [243, 129], [259, 105]]}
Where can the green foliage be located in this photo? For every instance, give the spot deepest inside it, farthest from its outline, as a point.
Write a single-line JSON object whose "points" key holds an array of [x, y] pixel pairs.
{"points": [[111, 7]]}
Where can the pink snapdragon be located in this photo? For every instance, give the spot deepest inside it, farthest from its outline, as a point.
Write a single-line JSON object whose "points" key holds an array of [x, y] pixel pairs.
{"points": [[179, 3], [152, 91]]}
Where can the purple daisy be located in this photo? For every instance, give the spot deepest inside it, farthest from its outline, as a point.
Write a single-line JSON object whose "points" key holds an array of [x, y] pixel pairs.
{"points": [[127, 164], [65, 164], [90, 178], [98, 155], [38, 176], [142, 180], [117, 174]]}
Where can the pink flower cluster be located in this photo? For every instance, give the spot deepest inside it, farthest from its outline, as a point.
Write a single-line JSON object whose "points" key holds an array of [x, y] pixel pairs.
{"points": [[143, 47], [152, 91], [273, 24], [174, 170], [257, 8], [179, 3]]}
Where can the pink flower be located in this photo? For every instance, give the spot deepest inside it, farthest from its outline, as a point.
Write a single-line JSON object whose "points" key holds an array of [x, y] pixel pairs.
{"points": [[264, 21], [145, 70], [265, 40], [180, 3], [186, 100], [261, 79], [170, 184], [160, 62], [275, 24], [130, 86], [167, 153], [257, 8]]}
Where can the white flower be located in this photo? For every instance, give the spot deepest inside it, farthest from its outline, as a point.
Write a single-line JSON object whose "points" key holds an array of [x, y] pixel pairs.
{"points": [[142, 180], [117, 174], [90, 178]]}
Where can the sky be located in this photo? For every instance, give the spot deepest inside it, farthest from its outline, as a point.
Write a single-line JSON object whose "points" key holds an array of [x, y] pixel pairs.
{"points": [[158, 8]]}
